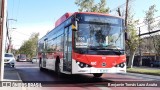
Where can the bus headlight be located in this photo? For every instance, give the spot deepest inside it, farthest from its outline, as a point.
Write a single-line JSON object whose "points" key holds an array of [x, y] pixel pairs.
{"points": [[121, 65], [83, 65]]}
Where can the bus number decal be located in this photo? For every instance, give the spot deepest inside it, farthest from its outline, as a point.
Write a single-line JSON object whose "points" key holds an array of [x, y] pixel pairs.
{"points": [[93, 63]]}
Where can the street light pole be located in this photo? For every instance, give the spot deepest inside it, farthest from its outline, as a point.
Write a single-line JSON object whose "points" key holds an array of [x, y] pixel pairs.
{"points": [[9, 37], [3, 16], [10, 47]]}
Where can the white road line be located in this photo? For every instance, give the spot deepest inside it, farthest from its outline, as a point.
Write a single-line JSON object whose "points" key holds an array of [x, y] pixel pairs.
{"points": [[19, 77], [102, 87], [27, 67]]}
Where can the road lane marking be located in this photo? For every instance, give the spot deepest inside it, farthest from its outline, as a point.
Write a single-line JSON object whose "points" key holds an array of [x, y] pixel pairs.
{"points": [[27, 67], [101, 87], [19, 77]]}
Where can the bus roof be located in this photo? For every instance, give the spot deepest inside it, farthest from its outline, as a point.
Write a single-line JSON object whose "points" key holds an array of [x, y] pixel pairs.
{"points": [[63, 18], [67, 15]]}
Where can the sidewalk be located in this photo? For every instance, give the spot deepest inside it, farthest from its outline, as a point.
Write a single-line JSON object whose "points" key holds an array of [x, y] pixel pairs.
{"points": [[10, 75]]}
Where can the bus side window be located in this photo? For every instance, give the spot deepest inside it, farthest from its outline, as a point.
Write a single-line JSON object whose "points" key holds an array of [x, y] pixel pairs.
{"points": [[45, 42]]}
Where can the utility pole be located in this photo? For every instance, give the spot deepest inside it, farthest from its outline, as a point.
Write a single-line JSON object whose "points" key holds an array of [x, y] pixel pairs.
{"points": [[126, 15], [9, 35], [3, 16], [9, 45]]}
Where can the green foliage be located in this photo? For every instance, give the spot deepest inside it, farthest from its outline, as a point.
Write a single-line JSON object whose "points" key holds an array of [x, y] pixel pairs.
{"points": [[90, 6], [149, 19], [144, 71], [133, 42], [150, 22], [29, 47]]}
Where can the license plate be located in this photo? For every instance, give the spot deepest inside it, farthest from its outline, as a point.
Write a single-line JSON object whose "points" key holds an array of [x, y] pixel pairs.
{"points": [[103, 71]]}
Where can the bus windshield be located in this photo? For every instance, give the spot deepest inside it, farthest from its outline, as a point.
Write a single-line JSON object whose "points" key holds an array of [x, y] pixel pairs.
{"points": [[100, 34]]}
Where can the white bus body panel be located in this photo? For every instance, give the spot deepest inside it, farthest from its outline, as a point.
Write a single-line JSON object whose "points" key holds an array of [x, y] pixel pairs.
{"points": [[77, 70]]}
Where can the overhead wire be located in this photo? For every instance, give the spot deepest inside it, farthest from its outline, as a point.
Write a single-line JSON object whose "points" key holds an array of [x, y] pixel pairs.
{"points": [[120, 6]]}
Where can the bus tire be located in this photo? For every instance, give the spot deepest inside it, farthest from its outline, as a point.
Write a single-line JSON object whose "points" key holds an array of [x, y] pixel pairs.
{"points": [[58, 69], [40, 66], [41, 69], [13, 66], [97, 74]]}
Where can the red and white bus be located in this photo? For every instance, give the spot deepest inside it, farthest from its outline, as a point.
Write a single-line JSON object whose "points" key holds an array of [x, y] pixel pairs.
{"points": [[84, 43]]}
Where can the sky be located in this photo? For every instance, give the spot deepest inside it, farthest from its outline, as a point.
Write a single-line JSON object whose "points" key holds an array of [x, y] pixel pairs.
{"points": [[39, 16]]}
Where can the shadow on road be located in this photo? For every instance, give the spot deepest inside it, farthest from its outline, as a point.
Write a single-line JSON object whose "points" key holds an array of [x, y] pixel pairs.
{"points": [[72, 80]]}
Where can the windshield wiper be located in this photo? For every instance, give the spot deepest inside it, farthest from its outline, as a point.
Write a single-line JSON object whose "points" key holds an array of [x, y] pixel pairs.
{"points": [[96, 48], [116, 51]]}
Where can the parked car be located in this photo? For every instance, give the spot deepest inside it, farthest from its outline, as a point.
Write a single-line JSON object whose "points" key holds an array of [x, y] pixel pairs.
{"points": [[9, 59], [155, 64], [34, 59], [22, 57]]}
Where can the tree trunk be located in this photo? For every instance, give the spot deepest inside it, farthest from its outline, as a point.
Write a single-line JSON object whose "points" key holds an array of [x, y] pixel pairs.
{"points": [[131, 59]]}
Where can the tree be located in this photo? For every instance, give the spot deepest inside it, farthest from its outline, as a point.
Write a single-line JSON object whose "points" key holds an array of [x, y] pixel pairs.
{"points": [[133, 42], [149, 19], [151, 26], [90, 6], [29, 47]]}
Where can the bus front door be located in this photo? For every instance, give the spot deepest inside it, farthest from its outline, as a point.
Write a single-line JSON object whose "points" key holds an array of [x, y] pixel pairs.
{"points": [[67, 61]]}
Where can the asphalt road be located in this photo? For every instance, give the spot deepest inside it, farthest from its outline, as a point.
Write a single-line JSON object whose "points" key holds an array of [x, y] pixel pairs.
{"points": [[30, 72]]}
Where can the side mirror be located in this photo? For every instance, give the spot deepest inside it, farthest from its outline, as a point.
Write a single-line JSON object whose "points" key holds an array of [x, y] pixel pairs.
{"points": [[74, 25]]}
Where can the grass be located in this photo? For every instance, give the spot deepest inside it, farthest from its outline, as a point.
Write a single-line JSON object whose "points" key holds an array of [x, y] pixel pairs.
{"points": [[144, 71]]}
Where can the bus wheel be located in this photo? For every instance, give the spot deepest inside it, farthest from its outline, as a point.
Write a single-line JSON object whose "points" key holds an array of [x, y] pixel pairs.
{"points": [[40, 66], [58, 69], [13, 66], [97, 74]]}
